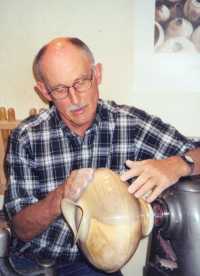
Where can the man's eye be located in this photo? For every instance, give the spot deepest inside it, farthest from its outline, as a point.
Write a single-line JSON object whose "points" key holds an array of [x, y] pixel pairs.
{"points": [[60, 89], [79, 82]]}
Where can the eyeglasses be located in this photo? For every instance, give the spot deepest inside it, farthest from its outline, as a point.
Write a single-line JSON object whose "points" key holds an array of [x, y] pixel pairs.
{"points": [[61, 91]]}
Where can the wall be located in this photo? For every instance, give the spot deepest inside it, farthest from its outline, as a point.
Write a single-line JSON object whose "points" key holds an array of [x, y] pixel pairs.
{"points": [[26, 25], [164, 84], [120, 33]]}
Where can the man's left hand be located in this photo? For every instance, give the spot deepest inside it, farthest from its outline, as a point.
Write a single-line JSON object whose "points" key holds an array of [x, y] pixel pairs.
{"points": [[152, 177]]}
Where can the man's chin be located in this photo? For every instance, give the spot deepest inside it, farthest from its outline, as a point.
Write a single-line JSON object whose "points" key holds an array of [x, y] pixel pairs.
{"points": [[81, 122]]}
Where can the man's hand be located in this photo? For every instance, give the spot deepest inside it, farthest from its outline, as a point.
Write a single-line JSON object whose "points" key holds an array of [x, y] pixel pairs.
{"points": [[77, 182], [152, 177], [35, 218]]}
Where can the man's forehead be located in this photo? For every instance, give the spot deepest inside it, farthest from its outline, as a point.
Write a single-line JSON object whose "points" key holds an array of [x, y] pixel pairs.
{"points": [[63, 67], [62, 50]]}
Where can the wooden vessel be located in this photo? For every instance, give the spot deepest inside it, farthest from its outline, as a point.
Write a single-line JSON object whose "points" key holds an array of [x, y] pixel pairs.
{"points": [[107, 221]]}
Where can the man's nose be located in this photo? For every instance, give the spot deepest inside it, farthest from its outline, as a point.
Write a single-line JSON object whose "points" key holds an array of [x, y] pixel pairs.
{"points": [[74, 97]]}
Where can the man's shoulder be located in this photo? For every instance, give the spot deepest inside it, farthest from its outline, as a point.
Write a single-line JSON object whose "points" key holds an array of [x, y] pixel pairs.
{"points": [[123, 110], [34, 122]]}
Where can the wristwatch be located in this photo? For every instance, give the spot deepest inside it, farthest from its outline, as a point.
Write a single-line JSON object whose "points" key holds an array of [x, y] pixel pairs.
{"points": [[189, 161]]}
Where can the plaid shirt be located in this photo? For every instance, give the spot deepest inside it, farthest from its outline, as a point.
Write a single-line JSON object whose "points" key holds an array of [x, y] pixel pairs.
{"points": [[43, 152]]}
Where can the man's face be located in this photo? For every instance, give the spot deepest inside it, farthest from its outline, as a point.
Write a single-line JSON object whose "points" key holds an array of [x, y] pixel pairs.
{"points": [[66, 67]]}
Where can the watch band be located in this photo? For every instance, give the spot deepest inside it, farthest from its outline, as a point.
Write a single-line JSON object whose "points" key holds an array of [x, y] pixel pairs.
{"points": [[189, 161]]}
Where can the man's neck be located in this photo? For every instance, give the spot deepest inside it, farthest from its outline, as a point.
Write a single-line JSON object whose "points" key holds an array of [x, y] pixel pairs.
{"points": [[77, 129]]}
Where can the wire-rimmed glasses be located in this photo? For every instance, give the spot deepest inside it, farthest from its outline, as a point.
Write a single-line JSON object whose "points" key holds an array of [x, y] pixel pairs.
{"points": [[61, 91]]}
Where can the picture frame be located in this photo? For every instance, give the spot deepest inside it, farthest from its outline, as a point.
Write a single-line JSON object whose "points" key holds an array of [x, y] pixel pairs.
{"points": [[160, 72], [177, 26]]}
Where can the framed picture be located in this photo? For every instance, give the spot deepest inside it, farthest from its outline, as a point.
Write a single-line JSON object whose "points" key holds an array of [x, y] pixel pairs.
{"points": [[177, 26], [167, 62]]}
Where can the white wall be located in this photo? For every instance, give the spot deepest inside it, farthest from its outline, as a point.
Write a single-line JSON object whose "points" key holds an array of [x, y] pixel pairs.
{"points": [[120, 33], [26, 25]]}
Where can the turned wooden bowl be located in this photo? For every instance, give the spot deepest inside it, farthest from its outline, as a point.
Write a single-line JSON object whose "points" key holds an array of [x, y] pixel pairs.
{"points": [[107, 221]]}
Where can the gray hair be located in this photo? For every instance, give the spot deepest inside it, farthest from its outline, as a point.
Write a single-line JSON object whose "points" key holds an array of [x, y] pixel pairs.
{"points": [[37, 73]]}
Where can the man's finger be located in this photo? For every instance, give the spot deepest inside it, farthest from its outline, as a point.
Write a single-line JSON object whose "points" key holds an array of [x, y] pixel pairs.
{"points": [[155, 193], [138, 182], [133, 172], [146, 189]]}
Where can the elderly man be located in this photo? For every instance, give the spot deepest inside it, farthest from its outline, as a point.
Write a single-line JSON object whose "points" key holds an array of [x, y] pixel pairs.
{"points": [[48, 154]]}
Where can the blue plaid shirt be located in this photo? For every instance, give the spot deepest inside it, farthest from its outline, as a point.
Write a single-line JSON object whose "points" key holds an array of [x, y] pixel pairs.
{"points": [[43, 151]]}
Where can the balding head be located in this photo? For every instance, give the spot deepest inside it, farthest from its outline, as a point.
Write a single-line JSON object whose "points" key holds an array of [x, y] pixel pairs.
{"points": [[55, 48]]}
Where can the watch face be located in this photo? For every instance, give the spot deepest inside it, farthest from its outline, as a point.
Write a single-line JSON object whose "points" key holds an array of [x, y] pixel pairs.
{"points": [[189, 159]]}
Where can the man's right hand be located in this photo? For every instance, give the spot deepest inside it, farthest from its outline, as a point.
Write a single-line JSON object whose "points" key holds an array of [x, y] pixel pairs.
{"points": [[77, 182], [35, 218]]}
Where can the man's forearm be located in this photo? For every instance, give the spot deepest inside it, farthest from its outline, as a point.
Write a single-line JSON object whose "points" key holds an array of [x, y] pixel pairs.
{"points": [[34, 219]]}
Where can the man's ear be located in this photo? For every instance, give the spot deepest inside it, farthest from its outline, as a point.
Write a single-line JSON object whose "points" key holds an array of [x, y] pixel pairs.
{"points": [[42, 91], [98, 72]]}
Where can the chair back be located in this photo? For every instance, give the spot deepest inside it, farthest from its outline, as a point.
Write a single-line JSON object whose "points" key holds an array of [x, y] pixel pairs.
{"points": [[8, 122]]}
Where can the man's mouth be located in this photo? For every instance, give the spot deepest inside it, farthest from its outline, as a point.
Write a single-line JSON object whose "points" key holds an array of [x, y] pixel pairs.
{"points": [[77, 109]]}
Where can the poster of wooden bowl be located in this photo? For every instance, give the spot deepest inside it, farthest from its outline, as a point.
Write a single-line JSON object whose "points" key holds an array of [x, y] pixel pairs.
{"points": [[177, 25]]}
